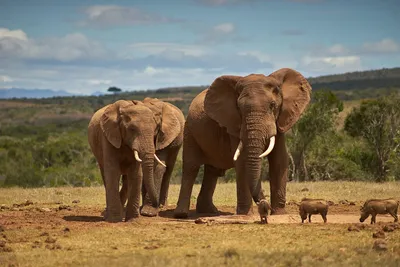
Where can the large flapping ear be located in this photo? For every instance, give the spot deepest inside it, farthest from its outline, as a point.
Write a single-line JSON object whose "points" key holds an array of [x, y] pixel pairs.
{"points": [[296, 93], [220, 103], [109, 122], [170, 127], [166, 116]]}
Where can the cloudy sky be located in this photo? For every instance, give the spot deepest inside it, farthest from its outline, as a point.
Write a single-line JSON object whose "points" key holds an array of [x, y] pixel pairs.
{"points": [[87, 46]]}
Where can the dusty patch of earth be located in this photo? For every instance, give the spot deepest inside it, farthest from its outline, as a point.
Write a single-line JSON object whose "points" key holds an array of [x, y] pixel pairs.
{"points": [[47, 217]]}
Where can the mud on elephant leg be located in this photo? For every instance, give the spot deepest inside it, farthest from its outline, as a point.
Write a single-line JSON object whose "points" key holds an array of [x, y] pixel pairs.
{"points": [[170, 162], [278, 170], [204, 201]]}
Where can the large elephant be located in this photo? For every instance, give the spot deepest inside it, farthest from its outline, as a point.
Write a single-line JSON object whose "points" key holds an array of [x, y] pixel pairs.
{"points": [[128, 138], [235, 123]]}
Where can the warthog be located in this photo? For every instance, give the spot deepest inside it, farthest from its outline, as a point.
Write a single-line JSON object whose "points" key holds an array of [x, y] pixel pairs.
{"points": [[313, 206], [379, 206], [263, 208]]}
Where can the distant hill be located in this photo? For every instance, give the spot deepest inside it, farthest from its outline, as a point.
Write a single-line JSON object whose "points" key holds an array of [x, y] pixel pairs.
{"points": [[31, 93]]}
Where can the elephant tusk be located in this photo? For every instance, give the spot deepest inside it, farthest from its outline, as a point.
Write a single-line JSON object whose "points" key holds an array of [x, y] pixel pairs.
{"points": [[137, 156], [238, 149], [159, 161], [270, 147]]}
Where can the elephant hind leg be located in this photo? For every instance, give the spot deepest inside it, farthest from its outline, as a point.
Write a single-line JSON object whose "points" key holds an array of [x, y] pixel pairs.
{"points": [[205, 199], [123, 193]]}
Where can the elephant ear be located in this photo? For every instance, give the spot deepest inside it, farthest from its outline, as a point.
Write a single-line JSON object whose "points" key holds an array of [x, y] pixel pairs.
{"points": [[109, 122], [220, 103], [296, 93], [170, 127]]}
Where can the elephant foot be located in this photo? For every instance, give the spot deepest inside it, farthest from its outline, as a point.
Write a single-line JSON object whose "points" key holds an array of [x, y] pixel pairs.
{"points": [[181, 213], [131, 214], [149, 211], [244, 210], [208, 208], [113, 218], [278, 211]]}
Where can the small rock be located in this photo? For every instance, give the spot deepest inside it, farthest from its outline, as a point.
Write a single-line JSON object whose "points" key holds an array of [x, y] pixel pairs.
{"points": [[44, 209], [64, 207], [66, 230], [2, 243], [28, 202], [44, 234], [1, 228], [200, 221], [343, 202], [388, 228], [50, 240], [114, 247], [58, 202], [15, 209], [352, 203], [380, 245], [379, 234], [4, 207], [305, 189], [331, 203], [76, 201]]}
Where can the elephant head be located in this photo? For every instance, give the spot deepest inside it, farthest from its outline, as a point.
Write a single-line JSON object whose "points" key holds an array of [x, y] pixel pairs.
{"points": [[254, 109], [143, 130]]}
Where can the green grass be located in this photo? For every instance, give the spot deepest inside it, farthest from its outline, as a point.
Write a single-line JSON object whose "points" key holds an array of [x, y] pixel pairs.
{"points": [[165, 242]]}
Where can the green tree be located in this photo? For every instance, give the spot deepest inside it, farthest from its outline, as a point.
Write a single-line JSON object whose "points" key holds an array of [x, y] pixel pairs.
{"points": [[378, 123], [114, 90], [318, 120]]}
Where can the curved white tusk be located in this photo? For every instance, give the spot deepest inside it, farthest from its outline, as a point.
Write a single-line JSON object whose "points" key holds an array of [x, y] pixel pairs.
{"points": [[159, 161], [238, 150], [137, 156], [270, 147]]}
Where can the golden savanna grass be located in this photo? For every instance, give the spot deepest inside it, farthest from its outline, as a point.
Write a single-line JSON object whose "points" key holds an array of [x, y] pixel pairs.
{"points": [[164, 241]]}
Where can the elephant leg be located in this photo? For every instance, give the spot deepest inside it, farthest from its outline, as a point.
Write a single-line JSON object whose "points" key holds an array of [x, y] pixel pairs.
{"points": [[244, 198], [278, 170], [204, 201], [170, 162], [114, 207], [134, 180], [191, 165]]}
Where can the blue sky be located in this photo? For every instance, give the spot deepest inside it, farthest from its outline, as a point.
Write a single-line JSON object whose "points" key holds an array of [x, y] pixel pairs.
{"points": [[87, 46]]}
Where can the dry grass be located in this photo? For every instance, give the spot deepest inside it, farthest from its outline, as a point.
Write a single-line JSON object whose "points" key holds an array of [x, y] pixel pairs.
{"points": [[162, 241]]}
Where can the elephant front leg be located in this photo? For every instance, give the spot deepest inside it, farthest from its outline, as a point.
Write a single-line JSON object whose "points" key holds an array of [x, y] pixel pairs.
{"points": [[278, 170], [114, 207], [205, 199], [244, 199], [134, 182]]}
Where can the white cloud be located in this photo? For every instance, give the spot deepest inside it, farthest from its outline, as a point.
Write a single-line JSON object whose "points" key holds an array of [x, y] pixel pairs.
{"points": [[99, 82], [383, 46], [5, 79], [113, 15], [337, 49], [16, 34], [262, 57], [75, 46], [331, 64], [158, 48], [224, 28]]}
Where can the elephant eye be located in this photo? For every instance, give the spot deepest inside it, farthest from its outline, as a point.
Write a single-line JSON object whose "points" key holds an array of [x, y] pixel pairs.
{"points": [[277, 90], [272, 105]]}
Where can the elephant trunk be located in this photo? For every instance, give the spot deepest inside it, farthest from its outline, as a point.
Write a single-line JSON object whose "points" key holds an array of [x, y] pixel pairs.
{"points": [[256, 137], [148, 178]]}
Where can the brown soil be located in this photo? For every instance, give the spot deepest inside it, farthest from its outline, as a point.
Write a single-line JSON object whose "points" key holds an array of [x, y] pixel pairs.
{"points": [[44, 218]]}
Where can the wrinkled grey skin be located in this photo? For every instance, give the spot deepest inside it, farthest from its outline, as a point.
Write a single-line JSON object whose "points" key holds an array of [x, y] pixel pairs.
{"points": [[310, 206], [379, 206], [263, 209]]}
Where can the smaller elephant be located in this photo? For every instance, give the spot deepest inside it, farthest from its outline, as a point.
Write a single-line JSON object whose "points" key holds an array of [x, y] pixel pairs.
{"points": [[379, 206], [139, 140], [263, 209], [313, 206]]}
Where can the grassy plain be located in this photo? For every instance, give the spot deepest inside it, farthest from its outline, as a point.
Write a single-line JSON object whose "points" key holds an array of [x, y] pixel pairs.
{"points": [[47, 234]]}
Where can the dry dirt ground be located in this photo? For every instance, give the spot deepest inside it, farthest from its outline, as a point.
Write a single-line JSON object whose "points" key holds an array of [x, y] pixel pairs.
{"points": [[39, 232]]}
